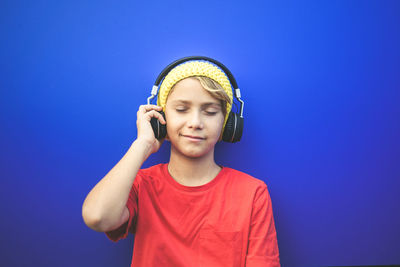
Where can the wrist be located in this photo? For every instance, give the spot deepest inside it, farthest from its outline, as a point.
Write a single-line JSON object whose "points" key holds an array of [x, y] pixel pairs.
{"points": [[142, 146]]}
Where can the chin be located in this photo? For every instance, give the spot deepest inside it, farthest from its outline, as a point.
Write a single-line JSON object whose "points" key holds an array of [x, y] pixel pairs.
{"points": [[193, 154]]}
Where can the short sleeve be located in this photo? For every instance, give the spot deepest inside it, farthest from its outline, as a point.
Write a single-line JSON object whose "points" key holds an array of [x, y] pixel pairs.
{"points": [[263, 244], [132, 205]]}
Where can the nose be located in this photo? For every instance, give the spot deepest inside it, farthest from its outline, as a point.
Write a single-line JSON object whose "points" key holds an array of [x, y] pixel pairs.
{"points": [[195, 120]]}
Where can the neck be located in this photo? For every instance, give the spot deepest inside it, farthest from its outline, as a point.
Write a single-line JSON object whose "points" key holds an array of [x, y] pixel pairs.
{"points": [[192, 171]]}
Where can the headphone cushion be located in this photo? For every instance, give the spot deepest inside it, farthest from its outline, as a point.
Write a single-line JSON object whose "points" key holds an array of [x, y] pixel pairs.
{"points": [[229, 128], [233, 128]]}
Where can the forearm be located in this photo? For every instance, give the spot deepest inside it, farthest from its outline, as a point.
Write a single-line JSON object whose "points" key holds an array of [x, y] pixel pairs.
{"points": [[104, 205]]}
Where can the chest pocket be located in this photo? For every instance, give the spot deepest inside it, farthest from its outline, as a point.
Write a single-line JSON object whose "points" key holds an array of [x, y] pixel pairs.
{"points": [[220, 248]]}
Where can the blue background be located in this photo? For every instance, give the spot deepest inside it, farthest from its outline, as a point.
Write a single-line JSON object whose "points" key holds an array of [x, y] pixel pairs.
{"points": [[320, 81]]}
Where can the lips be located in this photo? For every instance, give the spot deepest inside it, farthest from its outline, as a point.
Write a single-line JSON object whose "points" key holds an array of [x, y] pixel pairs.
{"points": [[193, 137]]}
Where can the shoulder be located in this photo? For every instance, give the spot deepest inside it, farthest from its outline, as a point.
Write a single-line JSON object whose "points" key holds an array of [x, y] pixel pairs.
{"points": [[150, 174], [245, 180], [152, 170]]}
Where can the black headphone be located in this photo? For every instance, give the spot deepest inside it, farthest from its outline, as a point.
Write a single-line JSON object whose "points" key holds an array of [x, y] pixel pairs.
{"points": [[234, 125]]}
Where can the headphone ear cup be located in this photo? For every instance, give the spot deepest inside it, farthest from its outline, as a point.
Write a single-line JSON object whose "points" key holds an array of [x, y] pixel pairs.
{"points": [[233, 128], [160, 130], [239, 129]]}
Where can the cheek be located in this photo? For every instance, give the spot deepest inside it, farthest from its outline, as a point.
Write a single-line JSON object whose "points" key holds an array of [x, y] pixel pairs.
{"points": [[173, 124], [217, 126]]}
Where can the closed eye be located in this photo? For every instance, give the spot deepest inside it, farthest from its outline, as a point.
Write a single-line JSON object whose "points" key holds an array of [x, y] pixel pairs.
{"points": [[209, 113]]}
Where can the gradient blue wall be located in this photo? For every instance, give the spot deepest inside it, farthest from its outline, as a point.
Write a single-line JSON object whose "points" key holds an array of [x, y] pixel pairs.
{"points": [[321, 84]]}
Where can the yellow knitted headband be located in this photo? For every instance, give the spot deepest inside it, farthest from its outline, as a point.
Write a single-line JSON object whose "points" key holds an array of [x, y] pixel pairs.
{"points": [[194, 68]]}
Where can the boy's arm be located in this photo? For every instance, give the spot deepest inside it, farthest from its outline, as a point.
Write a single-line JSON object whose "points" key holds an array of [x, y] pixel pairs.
{"points": [[104, 208], [263, 244]]}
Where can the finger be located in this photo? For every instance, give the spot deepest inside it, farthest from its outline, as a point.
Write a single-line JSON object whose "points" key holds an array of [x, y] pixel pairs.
{"points": [[156, 114], [145, 108]]}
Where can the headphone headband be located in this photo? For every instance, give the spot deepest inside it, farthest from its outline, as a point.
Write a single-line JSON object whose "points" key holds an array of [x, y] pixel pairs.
{"points": [[182, 60]]}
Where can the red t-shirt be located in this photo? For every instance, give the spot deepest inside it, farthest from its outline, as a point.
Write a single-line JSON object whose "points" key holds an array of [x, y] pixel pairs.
{"points": [[226, 222]]}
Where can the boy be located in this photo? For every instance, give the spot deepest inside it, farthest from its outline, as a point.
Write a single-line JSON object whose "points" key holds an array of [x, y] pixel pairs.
{"points": [[190, 211]]}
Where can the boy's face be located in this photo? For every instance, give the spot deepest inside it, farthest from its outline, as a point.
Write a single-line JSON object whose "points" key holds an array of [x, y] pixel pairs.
{"points": [[194, 119]]}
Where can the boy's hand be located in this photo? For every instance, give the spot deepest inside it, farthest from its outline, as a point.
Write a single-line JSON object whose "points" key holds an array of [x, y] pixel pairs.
{"points": [[144, 130]]}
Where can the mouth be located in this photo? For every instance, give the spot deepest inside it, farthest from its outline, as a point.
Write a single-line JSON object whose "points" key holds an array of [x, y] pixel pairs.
{"points": [[193, 137]]}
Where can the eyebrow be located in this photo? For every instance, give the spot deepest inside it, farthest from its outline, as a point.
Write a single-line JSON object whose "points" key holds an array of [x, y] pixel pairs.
{"points": [[206, 104]]}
